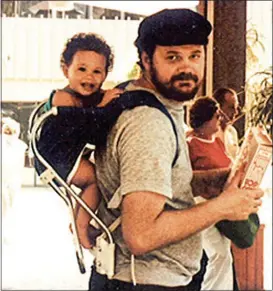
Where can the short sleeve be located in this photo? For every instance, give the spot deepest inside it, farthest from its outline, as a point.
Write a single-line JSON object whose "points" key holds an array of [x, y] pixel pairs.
{"points": [[145, 149]]}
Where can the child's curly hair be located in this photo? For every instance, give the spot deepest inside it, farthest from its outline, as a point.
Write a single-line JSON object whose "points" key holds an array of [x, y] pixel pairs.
{"points": [[87, 42]]}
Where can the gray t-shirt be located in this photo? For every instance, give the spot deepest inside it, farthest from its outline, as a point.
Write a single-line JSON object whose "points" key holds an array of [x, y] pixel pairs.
{"points": [[138, 157]]}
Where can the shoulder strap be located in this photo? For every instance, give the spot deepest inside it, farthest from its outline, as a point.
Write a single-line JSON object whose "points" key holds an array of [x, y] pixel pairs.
{"points": [[123, 85], [132, 99], [150, 100], [48, 104], [87, 101], [71, 92]]}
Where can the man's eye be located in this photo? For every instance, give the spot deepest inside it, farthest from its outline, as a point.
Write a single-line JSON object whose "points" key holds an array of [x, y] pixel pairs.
{"points": [[173, 58], [82, 69], [195, 56]]}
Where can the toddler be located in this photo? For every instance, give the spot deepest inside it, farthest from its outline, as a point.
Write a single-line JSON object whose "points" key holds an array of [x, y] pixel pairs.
{"points": [[85, 61]]}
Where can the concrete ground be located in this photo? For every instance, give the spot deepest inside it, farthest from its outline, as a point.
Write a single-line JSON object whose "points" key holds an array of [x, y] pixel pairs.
{"points": [[39, 254], [38, 251]]}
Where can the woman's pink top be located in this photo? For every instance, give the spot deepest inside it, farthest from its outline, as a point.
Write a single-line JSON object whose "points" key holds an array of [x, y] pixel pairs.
{"points": [[207, 154]]}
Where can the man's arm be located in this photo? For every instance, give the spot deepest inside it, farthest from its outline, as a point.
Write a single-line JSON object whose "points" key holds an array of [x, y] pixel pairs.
{"points": [[146, 183], [209, 183], [146, 226]]}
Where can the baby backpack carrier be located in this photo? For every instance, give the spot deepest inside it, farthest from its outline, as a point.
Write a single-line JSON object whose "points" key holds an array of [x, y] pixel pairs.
{"points": [[81, 127]]}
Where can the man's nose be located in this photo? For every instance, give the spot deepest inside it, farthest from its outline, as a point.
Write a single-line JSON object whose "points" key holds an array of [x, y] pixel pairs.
{"points": [[184, 65]]}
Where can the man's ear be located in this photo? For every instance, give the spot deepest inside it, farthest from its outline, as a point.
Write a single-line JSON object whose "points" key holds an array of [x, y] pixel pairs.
{"points": [[65, 70], [146, 61]]}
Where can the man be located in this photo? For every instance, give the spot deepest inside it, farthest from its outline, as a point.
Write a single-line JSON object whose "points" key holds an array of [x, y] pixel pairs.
{"points": [[229, 105], [158, 244], [228, 100]]}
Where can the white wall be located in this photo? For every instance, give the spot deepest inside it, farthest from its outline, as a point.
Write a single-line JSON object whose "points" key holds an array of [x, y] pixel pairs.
{"points": [[31, 49], [259, 16]]}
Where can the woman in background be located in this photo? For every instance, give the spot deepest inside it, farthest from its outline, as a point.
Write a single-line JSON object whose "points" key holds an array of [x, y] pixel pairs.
{"points": [[13, 158], [208, 152]]}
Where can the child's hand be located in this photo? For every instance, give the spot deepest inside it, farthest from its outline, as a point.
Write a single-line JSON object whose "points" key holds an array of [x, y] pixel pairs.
{"points": [[109, 95]]}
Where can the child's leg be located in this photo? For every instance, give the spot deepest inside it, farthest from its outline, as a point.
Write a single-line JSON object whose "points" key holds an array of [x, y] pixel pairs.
{"points": [[85, 178]]}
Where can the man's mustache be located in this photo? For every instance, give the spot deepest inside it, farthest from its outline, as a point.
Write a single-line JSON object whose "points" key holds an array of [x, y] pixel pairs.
{"points": [[185, 77]]}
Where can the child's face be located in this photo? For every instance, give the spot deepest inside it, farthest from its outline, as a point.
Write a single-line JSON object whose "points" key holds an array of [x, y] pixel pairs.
{"points": [[86, 73]]}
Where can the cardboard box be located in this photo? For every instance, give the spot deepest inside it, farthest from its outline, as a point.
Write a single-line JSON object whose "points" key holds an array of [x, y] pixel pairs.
{"points": [[256, 151]]}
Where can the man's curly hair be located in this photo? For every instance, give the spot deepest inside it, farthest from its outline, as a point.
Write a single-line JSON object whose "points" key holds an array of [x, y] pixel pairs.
{"points": [[87, 42]]}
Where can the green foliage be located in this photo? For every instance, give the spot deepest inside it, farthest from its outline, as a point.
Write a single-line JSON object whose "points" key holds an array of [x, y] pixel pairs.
{"points": [[258, 87], [260, 103], [134, 73], [254, 46]]}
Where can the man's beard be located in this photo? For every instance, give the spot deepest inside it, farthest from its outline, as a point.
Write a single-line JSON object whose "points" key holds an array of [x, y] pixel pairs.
{"points": [[169, 91]]}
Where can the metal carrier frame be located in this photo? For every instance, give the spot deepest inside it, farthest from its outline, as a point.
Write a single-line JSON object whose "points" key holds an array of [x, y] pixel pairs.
{"points": [[105, 247]]}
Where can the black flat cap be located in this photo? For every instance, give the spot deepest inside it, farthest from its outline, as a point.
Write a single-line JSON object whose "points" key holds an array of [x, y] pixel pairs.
{"points": [[173, 27]]}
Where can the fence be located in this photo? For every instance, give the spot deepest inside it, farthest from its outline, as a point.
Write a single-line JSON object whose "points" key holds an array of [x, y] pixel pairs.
{"points": [[31, 49]]}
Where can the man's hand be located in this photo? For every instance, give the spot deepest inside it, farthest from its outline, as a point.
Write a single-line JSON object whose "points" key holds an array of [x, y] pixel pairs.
{"points": [[236, 203], [147, 225]]}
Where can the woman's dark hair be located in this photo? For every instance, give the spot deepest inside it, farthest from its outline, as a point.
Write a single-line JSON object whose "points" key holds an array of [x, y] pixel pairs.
{"points": [[202, 110], [87, 42], [219, 94]]}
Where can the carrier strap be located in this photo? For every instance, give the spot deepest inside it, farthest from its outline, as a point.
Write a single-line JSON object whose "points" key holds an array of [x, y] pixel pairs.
{"points": [[160, 106]]}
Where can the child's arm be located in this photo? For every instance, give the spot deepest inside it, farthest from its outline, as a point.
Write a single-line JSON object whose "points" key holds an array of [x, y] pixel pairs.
{"points": [[109, 95], [62, 98]]}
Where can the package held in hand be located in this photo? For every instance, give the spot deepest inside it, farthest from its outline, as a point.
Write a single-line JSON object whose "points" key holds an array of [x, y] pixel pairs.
{"points": [[256, 152]]}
